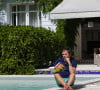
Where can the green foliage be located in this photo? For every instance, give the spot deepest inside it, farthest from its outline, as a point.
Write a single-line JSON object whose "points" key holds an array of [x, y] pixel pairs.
{"points": [[71, 32], [48, 5], [24, 48], [45, 5], [67, 29], [60, 29]]}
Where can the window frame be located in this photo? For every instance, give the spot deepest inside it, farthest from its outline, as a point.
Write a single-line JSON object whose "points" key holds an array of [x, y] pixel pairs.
{"points": [[27, 11]]}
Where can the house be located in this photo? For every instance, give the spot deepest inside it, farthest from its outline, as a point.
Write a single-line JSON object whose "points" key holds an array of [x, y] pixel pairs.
{"points": [[88, 11], [13, 12], [24, 12]]}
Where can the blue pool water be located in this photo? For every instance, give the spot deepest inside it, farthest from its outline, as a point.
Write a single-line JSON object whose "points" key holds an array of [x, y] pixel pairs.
{"points": [[30, 83], [26, 83]]}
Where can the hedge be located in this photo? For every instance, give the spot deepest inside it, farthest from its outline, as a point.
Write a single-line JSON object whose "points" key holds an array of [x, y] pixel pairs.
{"points": [[25, 48]]}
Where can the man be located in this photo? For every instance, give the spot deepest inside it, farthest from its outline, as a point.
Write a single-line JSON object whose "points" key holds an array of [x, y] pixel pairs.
{"points": [[66, 77]]}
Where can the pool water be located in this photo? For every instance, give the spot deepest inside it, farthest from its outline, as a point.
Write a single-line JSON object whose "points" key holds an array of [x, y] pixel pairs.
{"points": [[30, 83], [26, 83]]}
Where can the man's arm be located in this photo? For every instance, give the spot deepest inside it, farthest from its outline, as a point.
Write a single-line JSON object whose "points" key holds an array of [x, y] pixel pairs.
{"points": [[72, 71]]}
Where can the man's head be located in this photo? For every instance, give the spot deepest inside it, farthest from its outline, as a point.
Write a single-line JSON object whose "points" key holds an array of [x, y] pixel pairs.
{"points": [[66, 52]]}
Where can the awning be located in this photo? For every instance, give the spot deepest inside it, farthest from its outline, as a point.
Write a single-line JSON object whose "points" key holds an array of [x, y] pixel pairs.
{"points": [[69, 9]]}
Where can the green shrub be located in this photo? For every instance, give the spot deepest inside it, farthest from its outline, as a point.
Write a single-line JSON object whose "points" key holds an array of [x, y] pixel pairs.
{"points": [[25, 48]]}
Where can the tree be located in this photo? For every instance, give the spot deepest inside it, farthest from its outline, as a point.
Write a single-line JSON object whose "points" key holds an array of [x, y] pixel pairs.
{"points": [[66, 29], [45, 5]]}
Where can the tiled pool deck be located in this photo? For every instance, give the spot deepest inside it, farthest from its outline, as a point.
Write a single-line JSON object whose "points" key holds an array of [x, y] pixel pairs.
{"points": [[81, 69], [77, 72]]}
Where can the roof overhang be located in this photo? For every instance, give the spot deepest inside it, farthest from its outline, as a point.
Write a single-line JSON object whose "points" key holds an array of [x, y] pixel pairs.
{"points": [[71, 9]]}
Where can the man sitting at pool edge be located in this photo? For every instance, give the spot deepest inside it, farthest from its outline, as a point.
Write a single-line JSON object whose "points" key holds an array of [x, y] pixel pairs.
{"points": [[65, 70]]}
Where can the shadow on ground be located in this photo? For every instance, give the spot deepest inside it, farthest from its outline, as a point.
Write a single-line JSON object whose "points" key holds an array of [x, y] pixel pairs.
{"points": [[76, 87]]}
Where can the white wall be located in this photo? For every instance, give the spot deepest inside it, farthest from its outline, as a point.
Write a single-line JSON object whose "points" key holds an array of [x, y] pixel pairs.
{"points": [[4, 12], [3, 17], [47, 23]]}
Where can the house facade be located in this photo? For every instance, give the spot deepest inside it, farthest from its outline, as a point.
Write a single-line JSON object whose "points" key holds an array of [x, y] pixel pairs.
{"points": [[87, 40], [15, 13]]}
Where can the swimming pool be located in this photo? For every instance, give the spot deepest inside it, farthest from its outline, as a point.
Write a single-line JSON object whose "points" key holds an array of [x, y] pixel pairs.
{"points": [[32, 82]]}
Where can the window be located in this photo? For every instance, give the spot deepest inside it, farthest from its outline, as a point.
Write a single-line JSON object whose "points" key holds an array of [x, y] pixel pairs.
{"points": [[25, 15], [90, 24]]}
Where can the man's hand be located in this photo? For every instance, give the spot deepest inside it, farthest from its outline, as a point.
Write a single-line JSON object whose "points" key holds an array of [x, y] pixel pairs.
{"points": [[67, 87], [68, 60]]}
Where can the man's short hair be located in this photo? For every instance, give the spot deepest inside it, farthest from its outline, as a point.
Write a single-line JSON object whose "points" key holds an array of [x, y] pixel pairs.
{"points": [[68, 49]]}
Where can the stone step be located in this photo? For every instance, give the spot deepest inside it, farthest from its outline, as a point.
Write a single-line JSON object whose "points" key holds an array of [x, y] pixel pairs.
{"points": [[88, 67]]}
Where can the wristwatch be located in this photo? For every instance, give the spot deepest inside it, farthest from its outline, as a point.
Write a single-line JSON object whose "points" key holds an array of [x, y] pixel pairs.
{"points": [[70, 64]]}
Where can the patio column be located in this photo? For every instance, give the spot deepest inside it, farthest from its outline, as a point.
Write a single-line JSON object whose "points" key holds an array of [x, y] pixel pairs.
{"points": [[78, 48]]}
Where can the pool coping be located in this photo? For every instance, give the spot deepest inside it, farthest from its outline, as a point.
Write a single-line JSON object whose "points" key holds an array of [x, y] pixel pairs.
{"points": [[51, 75], [81, 83]]}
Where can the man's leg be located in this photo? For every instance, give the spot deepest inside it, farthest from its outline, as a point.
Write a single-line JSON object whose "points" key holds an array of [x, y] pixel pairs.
{"points": [[60, 81]]}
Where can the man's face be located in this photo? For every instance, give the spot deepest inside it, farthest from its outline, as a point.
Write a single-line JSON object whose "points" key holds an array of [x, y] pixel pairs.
{"points": [[65, 54]]}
